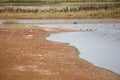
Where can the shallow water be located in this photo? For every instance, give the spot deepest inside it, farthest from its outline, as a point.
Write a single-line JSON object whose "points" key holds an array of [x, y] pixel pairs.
{"points": [[100, 47], [59, 20]]}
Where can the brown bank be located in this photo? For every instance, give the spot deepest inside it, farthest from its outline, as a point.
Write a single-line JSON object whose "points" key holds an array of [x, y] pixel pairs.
{"points": [[26, 55]]}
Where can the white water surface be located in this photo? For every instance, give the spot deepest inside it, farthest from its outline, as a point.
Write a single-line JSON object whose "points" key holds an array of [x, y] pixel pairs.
{"points": [[100, 47], [58, 20]]}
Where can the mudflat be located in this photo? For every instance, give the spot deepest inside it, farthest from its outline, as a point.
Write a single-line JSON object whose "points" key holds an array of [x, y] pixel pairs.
{"points": [[25, 54]]}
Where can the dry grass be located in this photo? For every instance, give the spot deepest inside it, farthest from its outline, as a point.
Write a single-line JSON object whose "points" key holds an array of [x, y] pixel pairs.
{"points": [[62, 15]]}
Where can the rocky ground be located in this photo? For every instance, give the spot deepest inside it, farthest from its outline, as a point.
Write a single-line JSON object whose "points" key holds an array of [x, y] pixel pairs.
{"points": [[26, 55]]}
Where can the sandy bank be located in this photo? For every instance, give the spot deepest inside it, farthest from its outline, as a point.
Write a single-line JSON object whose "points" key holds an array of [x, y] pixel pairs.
{"points": [[26, 55]]}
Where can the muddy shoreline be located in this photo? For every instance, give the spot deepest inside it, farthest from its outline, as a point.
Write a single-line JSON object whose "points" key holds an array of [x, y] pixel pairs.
{"points": [[25, 54]]}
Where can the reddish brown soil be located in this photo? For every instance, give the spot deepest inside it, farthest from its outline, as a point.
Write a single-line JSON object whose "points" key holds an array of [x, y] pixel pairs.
{"points": [[26, 55]]}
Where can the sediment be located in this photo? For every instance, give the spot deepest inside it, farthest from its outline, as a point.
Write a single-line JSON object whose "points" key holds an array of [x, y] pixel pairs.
{"points": [[26, 55]]}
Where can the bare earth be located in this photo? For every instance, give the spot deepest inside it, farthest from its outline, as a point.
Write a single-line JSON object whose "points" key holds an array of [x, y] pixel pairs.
{"points": [[26, 55]]}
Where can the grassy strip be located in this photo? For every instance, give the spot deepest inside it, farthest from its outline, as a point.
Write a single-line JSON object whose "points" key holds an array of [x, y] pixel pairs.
{"points": [[66, 10], [59, 9], [52, 3], [62, 15]]}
